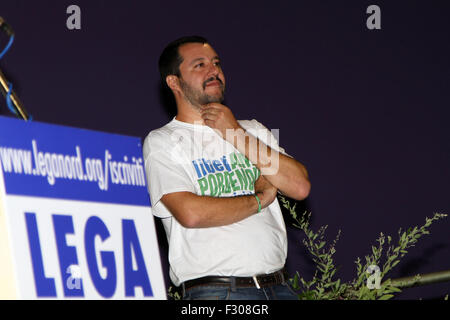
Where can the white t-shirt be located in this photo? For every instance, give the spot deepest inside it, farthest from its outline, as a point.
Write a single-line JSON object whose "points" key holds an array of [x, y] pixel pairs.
{"points": [[194, 158]]}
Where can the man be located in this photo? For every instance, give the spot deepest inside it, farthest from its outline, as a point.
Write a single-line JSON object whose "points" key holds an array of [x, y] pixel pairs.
{"points": [[213, 180]]}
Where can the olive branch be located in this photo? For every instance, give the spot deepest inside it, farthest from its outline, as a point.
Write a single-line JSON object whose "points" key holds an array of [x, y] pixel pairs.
{"points": [[324, 286]]}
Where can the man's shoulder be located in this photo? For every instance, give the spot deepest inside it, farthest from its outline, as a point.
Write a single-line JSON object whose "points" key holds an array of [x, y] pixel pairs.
{"points": [[266, 135], [159, 132], [252, 125], [158, 138], [163, 132]]}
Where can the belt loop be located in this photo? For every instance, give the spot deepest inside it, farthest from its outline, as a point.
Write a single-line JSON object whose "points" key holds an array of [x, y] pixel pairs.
{"points": [[233, 284], [183, 290], [283, 280]]}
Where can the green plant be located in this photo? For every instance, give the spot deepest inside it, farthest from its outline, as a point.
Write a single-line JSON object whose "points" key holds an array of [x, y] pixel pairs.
{"points": [[384, 257], [173, 294]]}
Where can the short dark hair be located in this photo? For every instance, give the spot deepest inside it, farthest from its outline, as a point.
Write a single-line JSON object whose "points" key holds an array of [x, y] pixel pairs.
{"points": [[170, 59]]}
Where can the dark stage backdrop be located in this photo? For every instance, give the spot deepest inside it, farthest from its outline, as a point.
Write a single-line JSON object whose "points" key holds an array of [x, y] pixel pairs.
{"points": [[367, 111]]}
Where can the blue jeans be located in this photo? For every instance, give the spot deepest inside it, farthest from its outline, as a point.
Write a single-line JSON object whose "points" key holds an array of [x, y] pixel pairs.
{"points": [[219, 292]]}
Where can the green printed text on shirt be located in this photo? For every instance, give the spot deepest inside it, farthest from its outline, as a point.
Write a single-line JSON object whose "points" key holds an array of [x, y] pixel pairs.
{"points": [[230, 175]]}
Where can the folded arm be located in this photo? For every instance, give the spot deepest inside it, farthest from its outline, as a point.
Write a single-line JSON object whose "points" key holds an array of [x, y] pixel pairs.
{"points": [[285, 173], [194, 211]]}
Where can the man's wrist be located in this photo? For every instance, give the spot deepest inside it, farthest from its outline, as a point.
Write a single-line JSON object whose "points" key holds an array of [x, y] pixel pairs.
{"points": [[259, 203]]}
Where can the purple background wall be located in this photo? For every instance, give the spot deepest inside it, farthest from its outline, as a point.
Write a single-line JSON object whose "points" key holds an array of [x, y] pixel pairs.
{"points": [[366, 111]]}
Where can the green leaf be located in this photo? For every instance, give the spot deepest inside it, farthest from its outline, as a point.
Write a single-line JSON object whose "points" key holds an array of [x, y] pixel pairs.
{"points": [[295, 281], [403, 237], [374, 251], [321, 245], [395, 263], [338, 283], [386, 297], [392, 289]]}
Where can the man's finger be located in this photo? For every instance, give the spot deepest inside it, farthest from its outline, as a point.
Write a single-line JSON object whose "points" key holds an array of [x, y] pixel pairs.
{"points": [[209, 116], [212, 106], [209, 123], [210, 111]]}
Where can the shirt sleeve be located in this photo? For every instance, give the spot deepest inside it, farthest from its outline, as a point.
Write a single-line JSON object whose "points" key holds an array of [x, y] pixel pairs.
{"points": [[269, 137], [165, 171]]}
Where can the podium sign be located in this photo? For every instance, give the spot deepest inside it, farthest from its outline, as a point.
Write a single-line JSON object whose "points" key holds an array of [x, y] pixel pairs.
{"points": [[75, 215]]}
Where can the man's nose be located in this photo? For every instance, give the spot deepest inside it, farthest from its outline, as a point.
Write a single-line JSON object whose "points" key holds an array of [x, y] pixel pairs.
{"points": [[213, 70]]}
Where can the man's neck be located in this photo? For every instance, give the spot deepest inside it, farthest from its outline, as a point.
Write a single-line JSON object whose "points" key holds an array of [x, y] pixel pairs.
{"points": [[189, 114]]}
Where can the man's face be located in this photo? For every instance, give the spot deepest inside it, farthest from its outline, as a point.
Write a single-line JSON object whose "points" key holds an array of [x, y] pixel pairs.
{"points": [[201, 78]]}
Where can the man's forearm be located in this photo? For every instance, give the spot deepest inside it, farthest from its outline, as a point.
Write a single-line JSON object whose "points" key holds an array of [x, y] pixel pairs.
{"points": [[283, 172], [194, 211], [286, 174]]}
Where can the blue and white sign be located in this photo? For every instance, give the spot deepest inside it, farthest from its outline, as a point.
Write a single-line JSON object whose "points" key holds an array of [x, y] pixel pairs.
{"points": [[75, 215]]}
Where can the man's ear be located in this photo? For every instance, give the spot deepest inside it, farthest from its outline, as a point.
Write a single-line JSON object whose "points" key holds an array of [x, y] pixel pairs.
{"points": [[172, 82]]}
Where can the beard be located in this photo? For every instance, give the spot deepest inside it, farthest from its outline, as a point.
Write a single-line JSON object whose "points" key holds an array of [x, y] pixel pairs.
{"points": [[198, 98]]}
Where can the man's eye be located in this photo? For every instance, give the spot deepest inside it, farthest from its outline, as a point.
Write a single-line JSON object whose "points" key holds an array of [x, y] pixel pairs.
{"points": [[199, 65]]}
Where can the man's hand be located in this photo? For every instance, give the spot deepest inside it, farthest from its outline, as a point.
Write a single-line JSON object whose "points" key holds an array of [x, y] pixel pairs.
{"points": [[291, 177], [219, 117], [265, 191]]}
